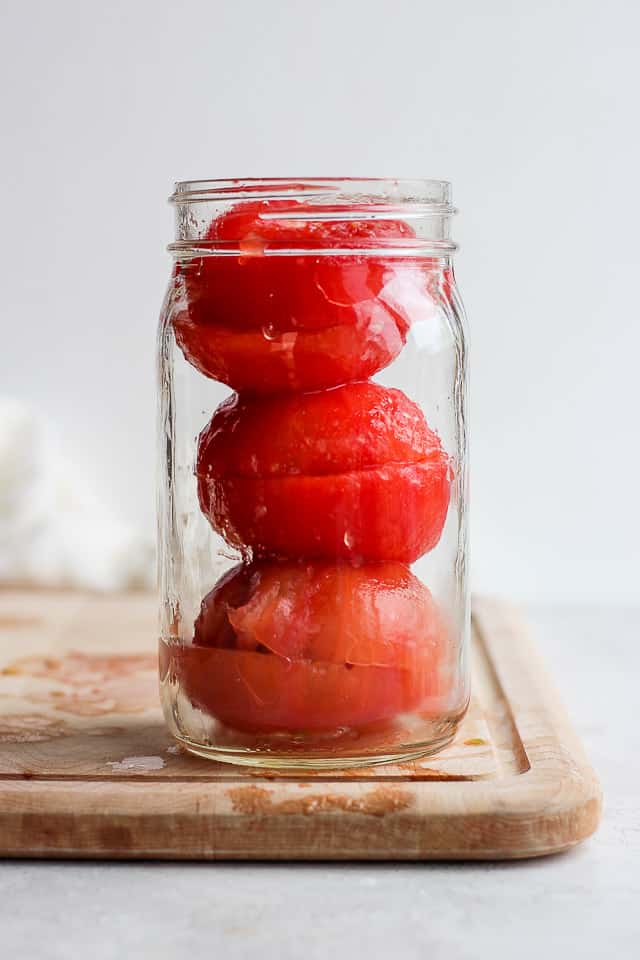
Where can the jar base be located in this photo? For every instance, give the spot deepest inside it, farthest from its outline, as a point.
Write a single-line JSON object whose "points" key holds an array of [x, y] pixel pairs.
{"points": [[292, 761]]}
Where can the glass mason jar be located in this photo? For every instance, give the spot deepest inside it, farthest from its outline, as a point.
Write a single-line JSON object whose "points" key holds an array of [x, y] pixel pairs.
{"points": [[313, 462]]}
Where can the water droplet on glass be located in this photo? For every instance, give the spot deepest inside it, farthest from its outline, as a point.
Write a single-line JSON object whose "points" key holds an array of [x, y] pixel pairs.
{"points": [[269, 332]]}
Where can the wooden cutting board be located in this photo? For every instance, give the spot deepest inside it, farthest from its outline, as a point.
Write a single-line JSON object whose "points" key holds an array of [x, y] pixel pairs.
{"points": [[87, 768]]}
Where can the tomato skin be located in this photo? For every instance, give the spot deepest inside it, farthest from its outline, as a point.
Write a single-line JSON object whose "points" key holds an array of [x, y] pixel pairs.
{"points": [[351, 474], [265, 322]]}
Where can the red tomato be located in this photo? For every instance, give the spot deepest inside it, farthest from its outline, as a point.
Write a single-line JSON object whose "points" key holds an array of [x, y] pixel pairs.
{"points": [[374, 615], [290, 220], [352, 474], [267, 322], [264, 693], [304, 647], [303, 360], [353, 427]]}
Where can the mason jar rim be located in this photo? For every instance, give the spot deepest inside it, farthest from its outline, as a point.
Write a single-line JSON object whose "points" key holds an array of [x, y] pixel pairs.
{"points": [[424, 204], [381, 190]]}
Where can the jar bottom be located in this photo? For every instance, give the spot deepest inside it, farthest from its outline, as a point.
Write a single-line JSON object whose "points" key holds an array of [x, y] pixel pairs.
{"points": [[443, 733], [395, 738]]}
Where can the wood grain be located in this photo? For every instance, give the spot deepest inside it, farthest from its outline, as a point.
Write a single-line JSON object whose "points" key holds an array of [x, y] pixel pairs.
{"points": [[87, 768]]}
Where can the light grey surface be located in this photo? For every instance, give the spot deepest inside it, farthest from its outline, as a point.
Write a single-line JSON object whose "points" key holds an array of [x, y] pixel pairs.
{"points": [[581, 904]]}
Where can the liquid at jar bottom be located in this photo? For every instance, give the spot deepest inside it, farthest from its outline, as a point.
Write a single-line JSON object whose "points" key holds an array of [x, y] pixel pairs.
{"points": [[406, 736]]}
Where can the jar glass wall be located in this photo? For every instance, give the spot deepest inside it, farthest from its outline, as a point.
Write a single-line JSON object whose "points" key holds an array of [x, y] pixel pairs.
{"points": [[312, 475]]}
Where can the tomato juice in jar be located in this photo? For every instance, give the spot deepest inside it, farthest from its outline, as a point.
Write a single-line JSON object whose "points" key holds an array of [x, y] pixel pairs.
{"points": [[313, 473]]}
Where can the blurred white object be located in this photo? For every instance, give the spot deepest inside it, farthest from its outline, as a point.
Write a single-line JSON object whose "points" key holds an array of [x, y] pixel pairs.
{"points": [[53, 530]]}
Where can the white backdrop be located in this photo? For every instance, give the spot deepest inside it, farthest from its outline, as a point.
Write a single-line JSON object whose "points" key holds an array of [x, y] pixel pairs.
{"points": [[530, 109]]}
